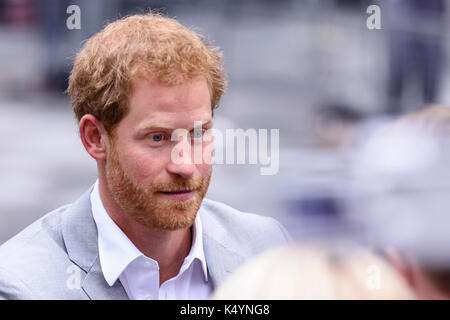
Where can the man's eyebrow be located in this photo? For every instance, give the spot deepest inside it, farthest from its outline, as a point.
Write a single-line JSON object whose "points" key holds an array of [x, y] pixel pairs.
{"points": [[168, 128], [154, 126]]}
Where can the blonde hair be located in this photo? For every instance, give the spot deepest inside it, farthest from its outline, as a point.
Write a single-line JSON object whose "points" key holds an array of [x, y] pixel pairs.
{"points": [[148, 45], [314, 272]]}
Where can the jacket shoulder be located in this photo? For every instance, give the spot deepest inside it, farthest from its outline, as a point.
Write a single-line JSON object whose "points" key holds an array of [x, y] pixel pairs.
{"points": [[47, 230], [247, 232], [33, 255]]}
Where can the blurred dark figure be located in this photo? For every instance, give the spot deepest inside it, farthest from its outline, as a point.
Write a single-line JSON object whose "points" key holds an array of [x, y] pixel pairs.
{"points": [[336, 124], [18, 13], [416, 30], [320, 214], [62, 43], [54, 32]]}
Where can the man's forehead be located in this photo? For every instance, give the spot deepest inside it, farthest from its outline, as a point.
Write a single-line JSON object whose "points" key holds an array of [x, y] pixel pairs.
{"points": [[145, 82], [190, 94], [154, 104]]}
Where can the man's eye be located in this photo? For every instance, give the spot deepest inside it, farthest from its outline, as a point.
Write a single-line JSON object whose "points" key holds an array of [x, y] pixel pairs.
{"points": [[157, 137], [198, 133]]}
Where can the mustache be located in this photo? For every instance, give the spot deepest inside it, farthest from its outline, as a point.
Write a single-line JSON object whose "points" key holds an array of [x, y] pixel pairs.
{"points": [[178, 185]]}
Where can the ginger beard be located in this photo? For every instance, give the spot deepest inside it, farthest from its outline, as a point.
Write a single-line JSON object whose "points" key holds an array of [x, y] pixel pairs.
{"points": [[144, 202]]}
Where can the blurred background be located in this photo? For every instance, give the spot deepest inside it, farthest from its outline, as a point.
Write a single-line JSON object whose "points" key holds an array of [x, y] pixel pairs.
{"points": [[312, 69]]}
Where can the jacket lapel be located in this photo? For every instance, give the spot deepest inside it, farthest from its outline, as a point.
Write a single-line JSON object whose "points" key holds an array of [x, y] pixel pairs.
{"points": [[80, 237], [97, 288], [220, 260], [221, 253]]}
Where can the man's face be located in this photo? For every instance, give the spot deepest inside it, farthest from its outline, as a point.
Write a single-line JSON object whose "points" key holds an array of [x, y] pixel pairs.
{"points": [[141, 176]]}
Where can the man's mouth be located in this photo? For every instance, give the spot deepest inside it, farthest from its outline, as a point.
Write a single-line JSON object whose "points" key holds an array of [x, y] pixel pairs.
{"points": [[178, 194]]}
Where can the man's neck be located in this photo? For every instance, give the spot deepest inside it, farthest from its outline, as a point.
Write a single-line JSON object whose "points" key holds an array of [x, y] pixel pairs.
{"points": [[168, 248]]}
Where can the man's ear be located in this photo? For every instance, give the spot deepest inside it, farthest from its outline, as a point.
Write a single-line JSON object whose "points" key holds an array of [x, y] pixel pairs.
{"points": [[93, 136]]}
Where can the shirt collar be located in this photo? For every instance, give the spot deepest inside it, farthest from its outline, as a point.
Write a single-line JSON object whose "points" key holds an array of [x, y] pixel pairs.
{"points": [[116, 251]]}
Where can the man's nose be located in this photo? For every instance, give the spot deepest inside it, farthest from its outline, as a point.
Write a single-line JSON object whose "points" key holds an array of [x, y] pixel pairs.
{"points": [[181, 162]]}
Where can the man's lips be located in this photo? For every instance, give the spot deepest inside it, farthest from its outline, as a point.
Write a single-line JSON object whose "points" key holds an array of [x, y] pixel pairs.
{"points": [[178, 194], [177, 191]]}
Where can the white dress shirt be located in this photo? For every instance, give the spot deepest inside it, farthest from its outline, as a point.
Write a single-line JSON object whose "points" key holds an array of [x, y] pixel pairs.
{"points": [[139, 275]]}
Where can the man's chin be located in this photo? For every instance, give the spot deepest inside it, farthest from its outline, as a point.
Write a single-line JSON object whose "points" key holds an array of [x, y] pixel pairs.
{"points": [[178, 219], [169, 214], [179, 208]]}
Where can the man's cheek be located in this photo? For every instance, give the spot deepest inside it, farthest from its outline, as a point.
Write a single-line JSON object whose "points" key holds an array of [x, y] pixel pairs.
{"points": [[143, 168], [205, 169]]}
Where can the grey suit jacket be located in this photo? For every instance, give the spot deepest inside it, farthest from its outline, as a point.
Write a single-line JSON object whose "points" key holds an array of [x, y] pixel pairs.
{"points": [[57, 256]]}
